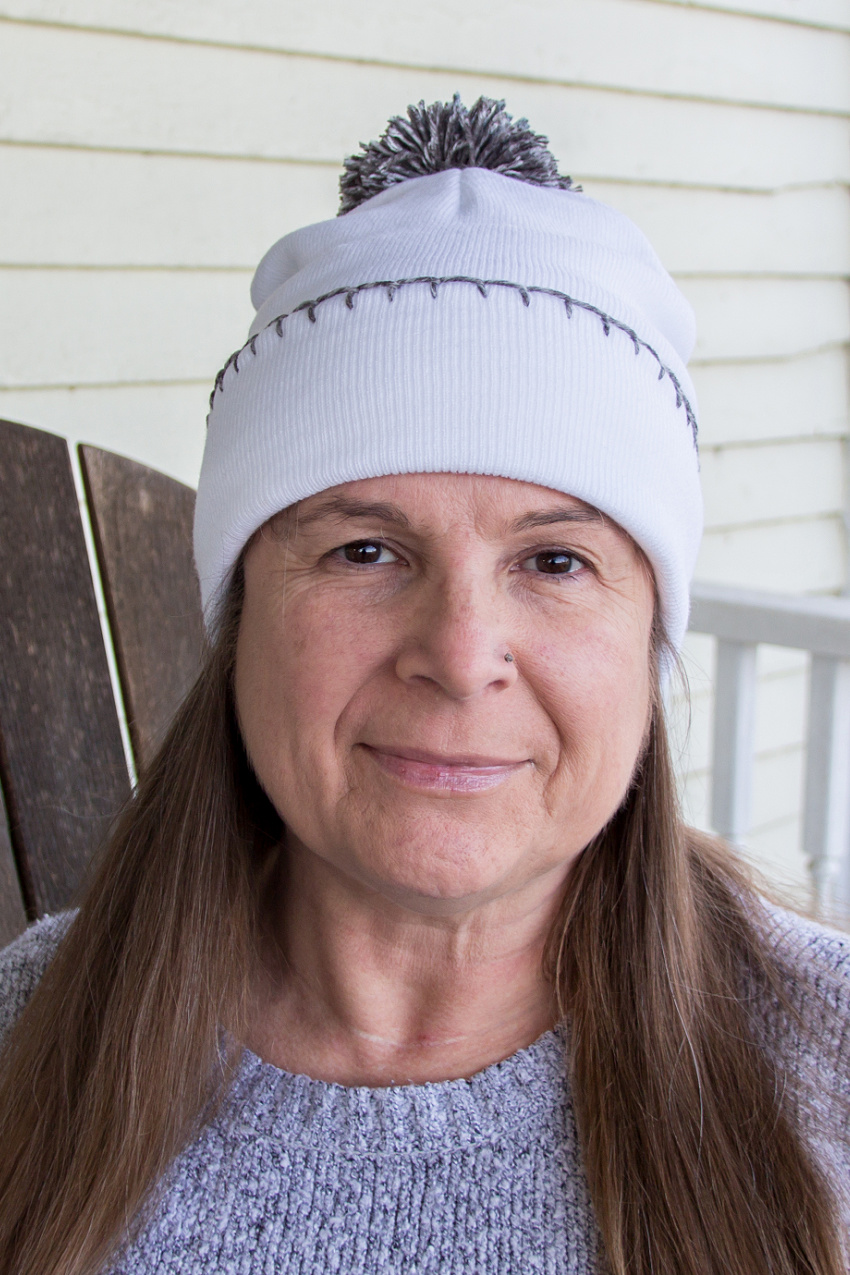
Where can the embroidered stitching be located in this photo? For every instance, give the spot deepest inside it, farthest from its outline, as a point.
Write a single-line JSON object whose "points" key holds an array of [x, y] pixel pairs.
{"points": [[391, 286]]}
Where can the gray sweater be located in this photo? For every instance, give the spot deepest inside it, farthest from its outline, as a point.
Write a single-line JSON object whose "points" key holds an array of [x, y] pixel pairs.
{"points": [[468, 1176]]}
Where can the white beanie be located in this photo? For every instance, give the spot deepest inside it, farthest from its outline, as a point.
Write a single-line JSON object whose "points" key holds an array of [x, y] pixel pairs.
{"points": [[465, 321]]}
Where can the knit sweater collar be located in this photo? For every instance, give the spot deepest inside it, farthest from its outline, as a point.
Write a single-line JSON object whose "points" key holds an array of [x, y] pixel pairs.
{"points": [[517, 1093]]}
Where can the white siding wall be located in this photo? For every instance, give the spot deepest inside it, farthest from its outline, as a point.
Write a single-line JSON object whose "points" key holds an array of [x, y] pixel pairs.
{"points": [[151, 150]]}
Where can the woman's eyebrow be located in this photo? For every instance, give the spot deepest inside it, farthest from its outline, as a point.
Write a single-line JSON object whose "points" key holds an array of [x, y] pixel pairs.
{"points": [[385, 511], [393, 515], [344, 507], [545, 517]]}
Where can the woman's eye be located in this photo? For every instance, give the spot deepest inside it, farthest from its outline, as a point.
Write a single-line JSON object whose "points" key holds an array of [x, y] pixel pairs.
{"points": [[553, 562], [366, 553]]}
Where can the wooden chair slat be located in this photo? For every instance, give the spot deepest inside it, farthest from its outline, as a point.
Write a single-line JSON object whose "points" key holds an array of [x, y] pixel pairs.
{"points": [[142, 522], [13, 918], [62, 761]]}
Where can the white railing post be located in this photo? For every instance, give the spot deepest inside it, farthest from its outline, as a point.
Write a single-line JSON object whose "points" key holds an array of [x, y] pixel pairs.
{"points": [[741, 619], [826, 814], [734, 739]]}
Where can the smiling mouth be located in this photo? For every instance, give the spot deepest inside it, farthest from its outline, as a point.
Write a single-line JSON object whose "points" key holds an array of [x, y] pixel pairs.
{"points": [[467, 772]]}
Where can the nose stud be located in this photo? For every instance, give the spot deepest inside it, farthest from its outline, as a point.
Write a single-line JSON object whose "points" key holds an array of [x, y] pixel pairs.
{"points": [[509, 658]]}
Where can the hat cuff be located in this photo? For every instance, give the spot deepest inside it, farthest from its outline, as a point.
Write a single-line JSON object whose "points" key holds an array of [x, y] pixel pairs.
{"points": [[464, 381]]}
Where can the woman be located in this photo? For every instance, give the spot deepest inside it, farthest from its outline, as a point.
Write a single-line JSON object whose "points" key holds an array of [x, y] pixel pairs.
{"points": [[401, 959]]}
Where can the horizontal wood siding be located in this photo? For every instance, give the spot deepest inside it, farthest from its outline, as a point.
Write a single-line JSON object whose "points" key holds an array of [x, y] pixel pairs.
{"points": [[163, 423], [829, 14], [799, 397], [685, 51], [118, 208], [151, 150], [112, 326]]}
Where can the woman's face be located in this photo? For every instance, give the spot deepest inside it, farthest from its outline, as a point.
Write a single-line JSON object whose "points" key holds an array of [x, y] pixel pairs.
{"points": [[377, 706]]}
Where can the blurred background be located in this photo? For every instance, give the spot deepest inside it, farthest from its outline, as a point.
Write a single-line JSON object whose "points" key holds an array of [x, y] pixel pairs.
{"points": [[152, 150]]}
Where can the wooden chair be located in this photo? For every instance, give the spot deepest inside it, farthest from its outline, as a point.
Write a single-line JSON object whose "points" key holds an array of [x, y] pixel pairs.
{"points": [[63, 769]]}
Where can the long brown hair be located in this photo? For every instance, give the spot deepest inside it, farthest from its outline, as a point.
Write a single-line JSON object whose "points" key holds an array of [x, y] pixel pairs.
{"points": [[128, 1043]]}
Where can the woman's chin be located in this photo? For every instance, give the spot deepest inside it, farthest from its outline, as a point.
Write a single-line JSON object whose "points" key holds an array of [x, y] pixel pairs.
{"points": [[446, 869]]}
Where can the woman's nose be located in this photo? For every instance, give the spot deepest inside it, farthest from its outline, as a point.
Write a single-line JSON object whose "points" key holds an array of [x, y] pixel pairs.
{"points": [[458, 642]]}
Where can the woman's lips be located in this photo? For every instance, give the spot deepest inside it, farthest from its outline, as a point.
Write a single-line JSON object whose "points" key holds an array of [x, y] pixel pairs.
{"points": [[465, 773]]}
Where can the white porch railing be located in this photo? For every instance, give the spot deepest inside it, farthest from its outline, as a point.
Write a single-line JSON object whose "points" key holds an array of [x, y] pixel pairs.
{"points": [[741, 619]]}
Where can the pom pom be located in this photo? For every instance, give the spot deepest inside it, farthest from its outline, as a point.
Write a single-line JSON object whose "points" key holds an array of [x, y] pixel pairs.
{"points": [[449, 135]]}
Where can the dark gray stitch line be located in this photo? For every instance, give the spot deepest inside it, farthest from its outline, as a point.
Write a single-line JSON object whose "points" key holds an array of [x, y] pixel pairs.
{"points": [[391, 286]]}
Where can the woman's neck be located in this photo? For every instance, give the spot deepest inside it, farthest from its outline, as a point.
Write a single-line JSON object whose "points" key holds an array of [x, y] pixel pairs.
{"points": [[362, 990]]}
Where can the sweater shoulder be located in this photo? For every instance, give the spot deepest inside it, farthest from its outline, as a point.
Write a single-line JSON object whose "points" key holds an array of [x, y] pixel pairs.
{"points": [[809, 1036], [23, 963], [815, 961]]}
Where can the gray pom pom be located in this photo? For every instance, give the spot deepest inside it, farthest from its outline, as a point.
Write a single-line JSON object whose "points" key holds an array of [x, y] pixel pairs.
{"points": [[448, 135]]}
